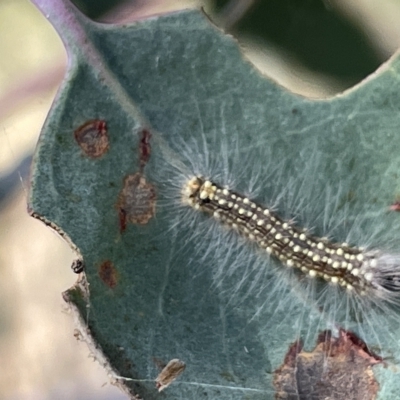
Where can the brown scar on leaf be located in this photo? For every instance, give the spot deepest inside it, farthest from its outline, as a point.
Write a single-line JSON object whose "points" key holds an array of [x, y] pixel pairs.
{"points": [[144, 148], [122, 220], [169, 373], [338, 368], [108, 274], [92, 138], [136, 201]]}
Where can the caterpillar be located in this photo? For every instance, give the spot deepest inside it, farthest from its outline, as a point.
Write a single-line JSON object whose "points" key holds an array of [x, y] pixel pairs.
{"points": [[367, 272]]}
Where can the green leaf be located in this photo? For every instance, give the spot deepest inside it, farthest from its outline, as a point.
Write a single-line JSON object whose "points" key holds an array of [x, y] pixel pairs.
{"points": [[157, 287]]}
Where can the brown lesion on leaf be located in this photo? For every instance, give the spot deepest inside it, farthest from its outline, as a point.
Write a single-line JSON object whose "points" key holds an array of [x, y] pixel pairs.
{"points": [[108, 274], [122, 220], [92, 138], [338, 368], [144, 148], [136, 202]]}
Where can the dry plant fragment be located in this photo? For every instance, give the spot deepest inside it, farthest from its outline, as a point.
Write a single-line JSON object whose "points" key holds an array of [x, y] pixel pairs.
{"points": [[169, 373]]}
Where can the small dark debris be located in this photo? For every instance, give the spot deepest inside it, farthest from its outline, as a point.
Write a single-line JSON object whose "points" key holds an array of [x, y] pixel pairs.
{"points": [[108, 274], [136, 202], [78, 335], [78, 266], [338, 368], [92, 138]]}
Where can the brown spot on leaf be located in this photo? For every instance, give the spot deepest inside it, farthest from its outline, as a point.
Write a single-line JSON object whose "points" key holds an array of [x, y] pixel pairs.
{"points": [[144, 148], [122, 220], [108, 274], [338, 368], [136, 202], [92, 138]]}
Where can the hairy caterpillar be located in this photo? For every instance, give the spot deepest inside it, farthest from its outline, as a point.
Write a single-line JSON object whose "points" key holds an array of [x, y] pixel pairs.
{"points": [[367, 272], [350, 250]]}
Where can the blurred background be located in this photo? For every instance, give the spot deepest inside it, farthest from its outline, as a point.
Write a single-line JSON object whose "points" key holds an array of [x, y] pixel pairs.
{"points": [[316, 48]]}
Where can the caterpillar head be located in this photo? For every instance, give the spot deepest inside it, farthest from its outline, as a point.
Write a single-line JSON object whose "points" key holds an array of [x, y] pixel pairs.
{"points": [[198, 191]]}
